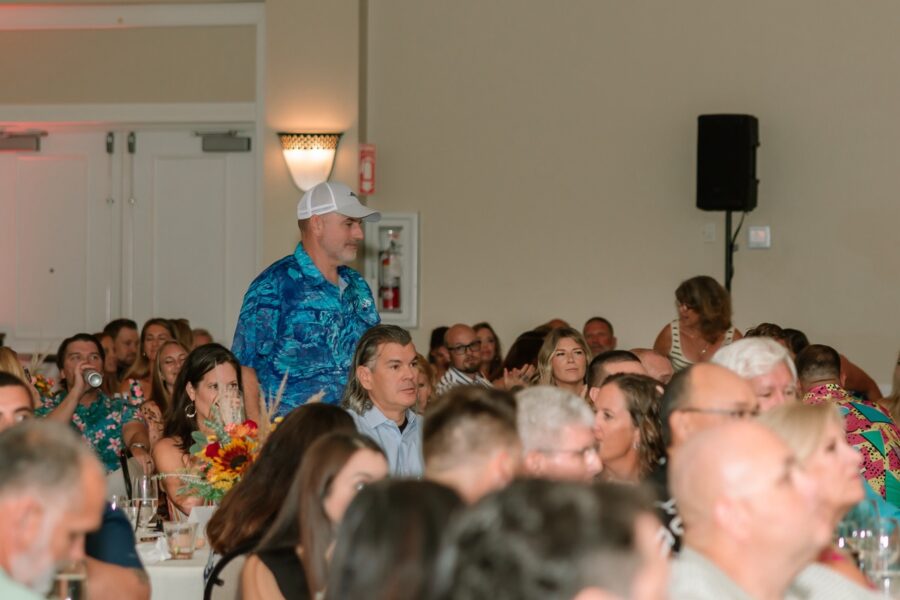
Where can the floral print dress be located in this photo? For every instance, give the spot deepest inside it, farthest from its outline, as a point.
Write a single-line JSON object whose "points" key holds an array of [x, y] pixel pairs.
{"points": [[149, 410], [100, 423]]}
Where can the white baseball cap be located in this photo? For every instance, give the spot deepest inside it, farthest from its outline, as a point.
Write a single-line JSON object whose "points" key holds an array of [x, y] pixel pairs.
{"points": [[332, 196]]}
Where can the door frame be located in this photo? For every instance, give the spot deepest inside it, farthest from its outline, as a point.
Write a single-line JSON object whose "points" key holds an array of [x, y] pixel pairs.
{"points": [[105, 116]]}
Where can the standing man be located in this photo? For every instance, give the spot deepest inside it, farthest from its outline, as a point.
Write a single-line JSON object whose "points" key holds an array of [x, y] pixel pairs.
{"points": [[381, 394], [303, 316]]}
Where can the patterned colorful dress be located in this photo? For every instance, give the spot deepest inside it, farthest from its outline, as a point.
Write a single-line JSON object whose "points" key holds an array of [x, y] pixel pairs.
{"points": [[870, 430], [100, 423], [149, 410]]}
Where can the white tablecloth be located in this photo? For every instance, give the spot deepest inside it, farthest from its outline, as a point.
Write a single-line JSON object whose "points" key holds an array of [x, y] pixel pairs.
{"points": [[175, 579]]}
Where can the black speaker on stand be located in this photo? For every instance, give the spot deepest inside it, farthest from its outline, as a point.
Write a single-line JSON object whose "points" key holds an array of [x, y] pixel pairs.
{"points": [[726, 172]]}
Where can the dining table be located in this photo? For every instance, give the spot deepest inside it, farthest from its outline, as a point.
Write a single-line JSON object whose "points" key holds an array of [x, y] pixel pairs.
{"points": [[173, 579]]}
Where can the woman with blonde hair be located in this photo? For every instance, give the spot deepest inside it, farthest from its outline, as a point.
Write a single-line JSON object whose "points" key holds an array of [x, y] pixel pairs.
{"points": [[563, 360], [816, 436], [169, 359], [425, 384], [137, 382], [703, 324], [9, 363]]}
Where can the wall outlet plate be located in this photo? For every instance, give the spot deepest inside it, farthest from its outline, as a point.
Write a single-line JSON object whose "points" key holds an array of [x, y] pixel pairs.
{"points": [[759, 237]]}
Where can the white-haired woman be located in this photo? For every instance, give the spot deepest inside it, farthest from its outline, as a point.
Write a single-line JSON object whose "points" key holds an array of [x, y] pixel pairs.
{"points": [[768, 367]]}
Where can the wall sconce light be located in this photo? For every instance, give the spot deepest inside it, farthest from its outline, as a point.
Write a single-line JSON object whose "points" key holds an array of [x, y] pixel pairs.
{"points": [[309, 156]]}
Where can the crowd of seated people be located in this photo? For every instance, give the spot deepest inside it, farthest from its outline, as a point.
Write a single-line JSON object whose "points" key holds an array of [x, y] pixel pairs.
{"points": [[712, 465]]}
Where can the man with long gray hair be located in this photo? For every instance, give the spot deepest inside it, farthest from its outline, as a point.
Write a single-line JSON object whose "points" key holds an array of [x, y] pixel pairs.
{"points": [[380, 393], [556, 429], [52, 490]]}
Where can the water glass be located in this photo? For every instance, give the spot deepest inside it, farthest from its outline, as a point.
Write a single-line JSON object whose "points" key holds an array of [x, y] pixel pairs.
{"points": [[880, 550], [132, 513], [69, 583], [888, 585], [181, 537], [145, 497]]}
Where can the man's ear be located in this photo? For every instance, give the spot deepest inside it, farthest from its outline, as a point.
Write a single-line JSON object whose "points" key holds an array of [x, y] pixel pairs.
{"points": [[25, 519], [592, 394], [679, 426], [364, 375], [535, 463], [504, 466], [316, 224], [731, 515]]}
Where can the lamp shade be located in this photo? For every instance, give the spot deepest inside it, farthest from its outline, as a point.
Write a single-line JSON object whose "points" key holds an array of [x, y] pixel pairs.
{"points": [[309, 156]]}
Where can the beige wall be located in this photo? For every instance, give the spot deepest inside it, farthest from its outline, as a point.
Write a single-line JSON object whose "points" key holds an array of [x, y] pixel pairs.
{"points": [[551, 154], [159, 64], [312, 84]]}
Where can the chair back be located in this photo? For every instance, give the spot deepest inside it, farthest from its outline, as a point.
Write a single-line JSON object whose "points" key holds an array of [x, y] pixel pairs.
{"points": [[224, 581]]}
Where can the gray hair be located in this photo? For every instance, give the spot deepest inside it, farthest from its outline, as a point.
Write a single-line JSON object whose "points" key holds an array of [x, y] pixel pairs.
{"points": [[754, 356], [356, 397], [544, 411], [42, 458]]}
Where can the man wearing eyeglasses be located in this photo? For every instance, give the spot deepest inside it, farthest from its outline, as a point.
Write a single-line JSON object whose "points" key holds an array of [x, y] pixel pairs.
{"points": [[556, 429], [465, 359], [698, 398]]}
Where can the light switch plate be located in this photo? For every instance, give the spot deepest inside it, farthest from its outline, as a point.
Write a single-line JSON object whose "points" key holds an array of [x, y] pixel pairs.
{"points": [[759, 236]]}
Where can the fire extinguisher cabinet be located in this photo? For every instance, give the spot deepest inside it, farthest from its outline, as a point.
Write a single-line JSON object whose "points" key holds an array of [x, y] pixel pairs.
{"points": [[392, 267]]}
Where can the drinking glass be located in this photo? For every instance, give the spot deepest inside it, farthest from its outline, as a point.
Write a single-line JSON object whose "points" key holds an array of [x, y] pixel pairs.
{"points": [[69, 582], [145, 498], [888, 585], [881, 550], [181, 537]]}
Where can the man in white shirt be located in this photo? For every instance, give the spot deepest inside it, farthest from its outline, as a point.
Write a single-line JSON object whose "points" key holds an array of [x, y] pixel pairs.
{"points": [[380, 394]]}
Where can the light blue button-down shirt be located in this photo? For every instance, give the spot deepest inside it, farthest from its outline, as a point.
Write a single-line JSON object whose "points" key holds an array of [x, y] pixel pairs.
{"points": [[403, 449]]}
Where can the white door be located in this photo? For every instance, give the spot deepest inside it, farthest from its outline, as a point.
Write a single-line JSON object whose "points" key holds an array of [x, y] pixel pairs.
{"points": [[87, 236], [189, 231], [59, 258]]}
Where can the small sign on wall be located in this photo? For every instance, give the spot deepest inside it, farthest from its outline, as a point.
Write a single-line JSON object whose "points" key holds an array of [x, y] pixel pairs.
{"points": [[367, 169]]}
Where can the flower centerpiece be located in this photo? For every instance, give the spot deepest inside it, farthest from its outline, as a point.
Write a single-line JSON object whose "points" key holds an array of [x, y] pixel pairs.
{"points": [[221, 458]]}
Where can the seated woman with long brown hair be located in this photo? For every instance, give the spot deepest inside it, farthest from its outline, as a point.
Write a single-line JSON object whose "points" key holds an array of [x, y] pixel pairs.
{"points": [[247, 511], [291, 561], [210, 374]]}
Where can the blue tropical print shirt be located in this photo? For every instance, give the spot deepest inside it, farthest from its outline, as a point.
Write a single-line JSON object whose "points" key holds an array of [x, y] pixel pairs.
{"points": [[295, 321], [100, 423]]}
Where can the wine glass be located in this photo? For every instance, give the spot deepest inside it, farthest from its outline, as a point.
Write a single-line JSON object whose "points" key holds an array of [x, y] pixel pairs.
{"points": [[882, 549], [145, 498]]}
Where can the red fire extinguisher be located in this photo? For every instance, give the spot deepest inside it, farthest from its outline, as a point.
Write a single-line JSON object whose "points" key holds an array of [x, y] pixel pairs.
{"points": [[391, 269]]}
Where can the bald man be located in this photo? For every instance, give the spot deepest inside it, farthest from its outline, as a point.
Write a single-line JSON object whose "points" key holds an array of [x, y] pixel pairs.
{"points": [[465, 359], [658, 367], [751, 519], [697, 398]]}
